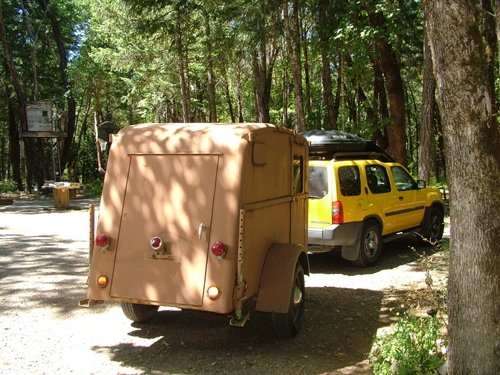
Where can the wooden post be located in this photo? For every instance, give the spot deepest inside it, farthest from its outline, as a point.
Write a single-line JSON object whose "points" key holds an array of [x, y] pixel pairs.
{"points": [[61, 197]]}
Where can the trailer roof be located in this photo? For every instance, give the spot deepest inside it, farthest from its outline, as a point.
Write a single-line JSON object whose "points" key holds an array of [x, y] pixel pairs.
{"points": [[193, 137]]}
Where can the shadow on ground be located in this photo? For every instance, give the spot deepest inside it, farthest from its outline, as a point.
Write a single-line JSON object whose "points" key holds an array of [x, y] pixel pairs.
{"points": [[41, 271], [204, 343], [395, 254]]}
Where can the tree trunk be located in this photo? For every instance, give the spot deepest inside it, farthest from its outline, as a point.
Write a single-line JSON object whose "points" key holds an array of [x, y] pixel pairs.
{"points": [[473, 159], [21, 102], [33, 51], [239, 93], [381, 112], [211, 81], [326, 77], [491, 48], [285, 93], [427, 127], [396, 133], [307, 75], [228, 97], [14, 149], [293, 47], [259, 66], [182, 73]]}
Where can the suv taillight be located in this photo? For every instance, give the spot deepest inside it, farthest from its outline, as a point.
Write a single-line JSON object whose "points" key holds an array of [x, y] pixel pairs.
{"points": [[337, 213]]}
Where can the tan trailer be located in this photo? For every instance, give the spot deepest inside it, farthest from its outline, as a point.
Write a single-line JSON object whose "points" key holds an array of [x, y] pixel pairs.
{"points": [[204, 217]]}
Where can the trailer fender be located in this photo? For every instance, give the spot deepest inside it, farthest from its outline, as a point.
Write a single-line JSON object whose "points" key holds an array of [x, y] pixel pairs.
{"points": [[277, 276]]}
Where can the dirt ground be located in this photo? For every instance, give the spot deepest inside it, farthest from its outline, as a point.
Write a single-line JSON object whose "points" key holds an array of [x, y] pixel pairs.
{"points": [[43, 273]]}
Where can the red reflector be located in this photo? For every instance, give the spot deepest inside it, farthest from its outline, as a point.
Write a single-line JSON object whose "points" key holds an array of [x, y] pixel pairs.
{"points": [[218, 249], [156, 243], [337, 213], [101, 240]]}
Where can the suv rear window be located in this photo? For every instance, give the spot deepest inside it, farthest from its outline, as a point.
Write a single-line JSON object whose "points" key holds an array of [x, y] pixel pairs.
{"points": [[318, 182], [349, 181]]}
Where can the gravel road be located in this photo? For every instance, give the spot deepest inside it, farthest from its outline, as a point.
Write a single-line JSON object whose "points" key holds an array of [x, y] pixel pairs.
{"points": [[43, 259]]}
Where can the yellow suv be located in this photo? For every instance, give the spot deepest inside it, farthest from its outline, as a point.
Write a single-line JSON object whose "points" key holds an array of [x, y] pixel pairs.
{"points": [[359, 198]]}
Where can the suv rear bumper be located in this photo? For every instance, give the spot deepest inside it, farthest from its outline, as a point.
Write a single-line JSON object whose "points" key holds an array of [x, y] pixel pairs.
{"points": [[335, 235]]}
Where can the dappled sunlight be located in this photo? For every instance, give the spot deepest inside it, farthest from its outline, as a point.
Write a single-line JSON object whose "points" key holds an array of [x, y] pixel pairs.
{"points": [[209, 345], [41, 271]]}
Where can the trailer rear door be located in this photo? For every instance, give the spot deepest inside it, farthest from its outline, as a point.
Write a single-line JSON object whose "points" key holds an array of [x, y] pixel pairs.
{"points": [[170, 196]]}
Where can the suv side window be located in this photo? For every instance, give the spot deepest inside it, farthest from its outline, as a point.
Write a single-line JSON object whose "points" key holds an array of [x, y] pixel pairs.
{"points": [[349, 181], [377, 179], [402, 179]]}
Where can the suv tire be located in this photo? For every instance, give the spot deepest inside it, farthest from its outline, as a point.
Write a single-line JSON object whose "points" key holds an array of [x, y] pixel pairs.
{"points": [[370, 245], [436, 227]]}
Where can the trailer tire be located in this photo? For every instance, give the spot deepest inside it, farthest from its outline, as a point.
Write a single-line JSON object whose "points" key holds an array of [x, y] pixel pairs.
{"points": [[137, 312], [288, 324]]}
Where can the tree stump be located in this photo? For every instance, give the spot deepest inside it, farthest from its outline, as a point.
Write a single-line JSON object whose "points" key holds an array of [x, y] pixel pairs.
{"points": [[61, 197]]}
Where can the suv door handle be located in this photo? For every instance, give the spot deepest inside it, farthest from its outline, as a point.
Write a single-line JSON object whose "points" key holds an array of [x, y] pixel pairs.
{"points": [[401, 198]]}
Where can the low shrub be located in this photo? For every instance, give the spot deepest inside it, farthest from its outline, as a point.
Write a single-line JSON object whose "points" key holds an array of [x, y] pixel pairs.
{"points": [[8, 186], [93, 189], [415, 347]]}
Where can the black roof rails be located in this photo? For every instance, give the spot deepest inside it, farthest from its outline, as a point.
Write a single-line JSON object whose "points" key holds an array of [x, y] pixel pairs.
{"points": [[336, 144]]}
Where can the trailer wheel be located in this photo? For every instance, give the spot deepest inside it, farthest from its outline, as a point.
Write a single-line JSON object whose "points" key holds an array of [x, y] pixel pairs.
{"points": [[287, 325], [138, 313]]}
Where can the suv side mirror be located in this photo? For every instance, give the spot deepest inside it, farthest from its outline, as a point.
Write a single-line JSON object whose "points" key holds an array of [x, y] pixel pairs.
{"points": [[421, 184]]}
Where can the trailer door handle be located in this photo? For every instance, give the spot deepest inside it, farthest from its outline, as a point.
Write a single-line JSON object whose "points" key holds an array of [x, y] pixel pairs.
{"points": [[201, 228]]}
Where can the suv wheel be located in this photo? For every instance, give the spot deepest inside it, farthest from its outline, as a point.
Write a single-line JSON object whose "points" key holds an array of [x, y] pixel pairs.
{"points": [[436, 226], [370, 245]]}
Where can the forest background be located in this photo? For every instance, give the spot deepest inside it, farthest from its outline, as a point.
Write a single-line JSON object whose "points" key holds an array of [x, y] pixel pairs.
{"points": [[356, 66]]}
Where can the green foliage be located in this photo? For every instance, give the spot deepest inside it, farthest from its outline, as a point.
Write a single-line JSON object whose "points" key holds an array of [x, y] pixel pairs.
{"points": [[8, 186], [93, 189], [414, 348]]}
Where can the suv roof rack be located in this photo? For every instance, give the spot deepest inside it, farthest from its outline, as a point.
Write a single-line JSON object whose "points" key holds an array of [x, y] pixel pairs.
{"points": [[339, 145]]}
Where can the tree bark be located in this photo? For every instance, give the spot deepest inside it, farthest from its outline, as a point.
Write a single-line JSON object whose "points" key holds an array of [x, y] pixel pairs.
{"points": [[182, 74], [211, 80], [14, 149], [21, 102], [427, 127], [326, 77], [293, 47], [491, 50], [381, 112], [396, 133], [473, 160]]}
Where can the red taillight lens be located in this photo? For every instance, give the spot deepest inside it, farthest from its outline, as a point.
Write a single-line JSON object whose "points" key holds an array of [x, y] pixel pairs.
{"points": [[337, 213], [102, 240], [156, 243], [219, 249]]}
